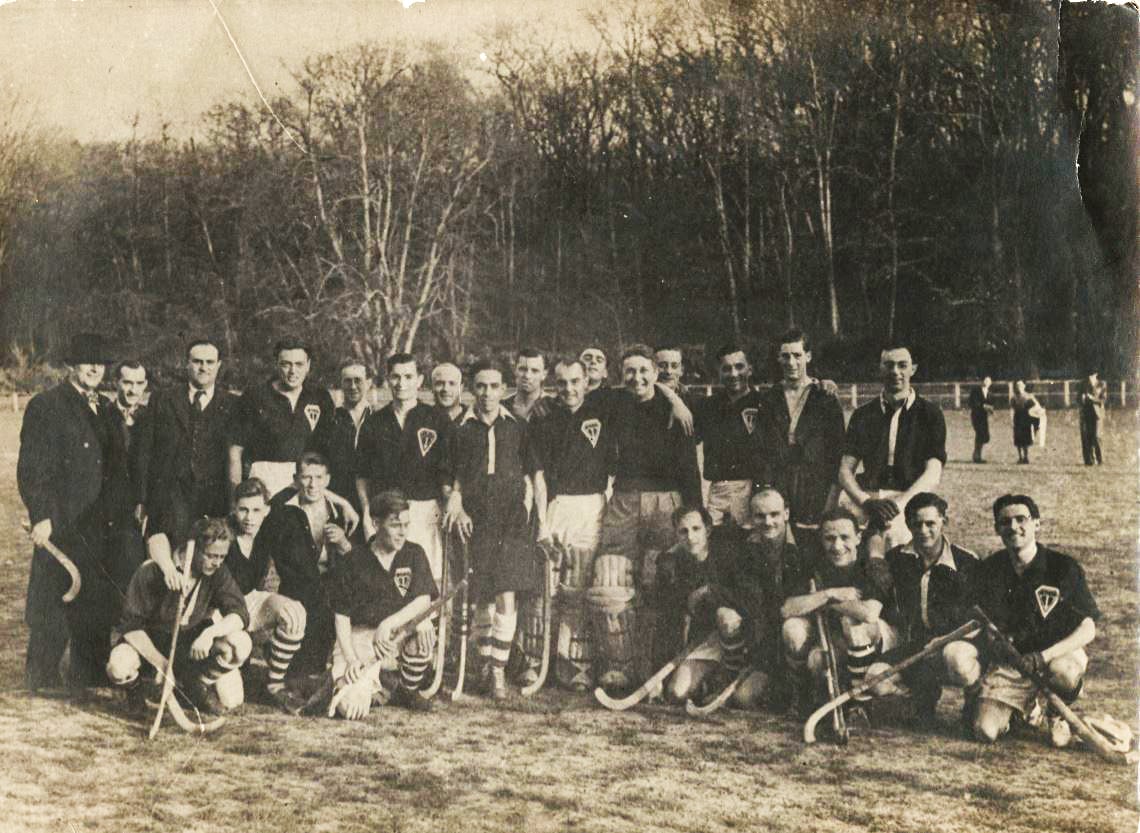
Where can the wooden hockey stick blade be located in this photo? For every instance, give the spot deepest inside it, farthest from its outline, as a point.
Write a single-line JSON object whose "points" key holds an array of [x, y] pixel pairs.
{"points": [[402, 633], [1084, 731], [831, 672], [963, 632], [440, 637], [67, 564], [547, 621], [654, 682], [693, 710], [177, 712]]}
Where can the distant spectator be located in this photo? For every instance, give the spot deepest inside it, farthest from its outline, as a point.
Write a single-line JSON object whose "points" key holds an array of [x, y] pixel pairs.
{"points": [[1024, 405], [981, 406], [1094, 393]]}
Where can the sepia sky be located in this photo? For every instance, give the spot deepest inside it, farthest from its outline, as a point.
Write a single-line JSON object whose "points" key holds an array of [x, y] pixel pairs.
{"points": [[86, 67]]}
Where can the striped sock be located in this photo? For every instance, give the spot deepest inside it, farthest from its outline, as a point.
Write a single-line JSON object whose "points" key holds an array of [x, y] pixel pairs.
{"points": [[733, 653], [413, 667], [503, 627], [215, 669], [859, 659], [282, 647], [481, 631]]}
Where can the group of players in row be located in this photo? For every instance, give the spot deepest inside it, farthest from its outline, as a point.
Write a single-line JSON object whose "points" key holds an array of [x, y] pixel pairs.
{"points": [[661, 520]]}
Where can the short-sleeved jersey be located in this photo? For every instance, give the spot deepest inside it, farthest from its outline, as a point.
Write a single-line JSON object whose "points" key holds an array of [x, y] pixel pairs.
{"points": [[919, 436], [756, 581], [1043, 605], [269, 428], [573, 450], [151, 606], [540, 408], [652, 455], [361, 589], [857, 575], [947, 589], [414, 458], [492, 457], [248, 569], [728, 430]]}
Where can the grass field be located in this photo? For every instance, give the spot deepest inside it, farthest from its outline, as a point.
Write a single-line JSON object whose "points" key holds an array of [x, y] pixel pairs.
{"points": [[559, 762]]}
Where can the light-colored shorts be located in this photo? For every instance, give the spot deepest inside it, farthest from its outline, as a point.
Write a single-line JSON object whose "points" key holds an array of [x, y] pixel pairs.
{"points": [[1007, 685], [424, 529], [259, 616], [729, 497]]}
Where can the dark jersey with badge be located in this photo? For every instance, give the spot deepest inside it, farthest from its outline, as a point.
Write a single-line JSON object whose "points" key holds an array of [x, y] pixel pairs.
{"points": [[269, 428], [920, 436], [415, 458], [728, 430], [573, 450], [652, 455], [1043, 605], [361, 589]]}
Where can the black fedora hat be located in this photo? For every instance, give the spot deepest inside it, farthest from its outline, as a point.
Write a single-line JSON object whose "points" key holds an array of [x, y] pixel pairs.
{"points": [[87, 348]]}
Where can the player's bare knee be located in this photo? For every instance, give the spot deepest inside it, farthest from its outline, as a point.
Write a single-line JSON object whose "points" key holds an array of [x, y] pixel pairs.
{"points": [[991, 722], [884, 687], [960, 660], [750, 693], [1066, 673], [234, 649], [728, 622], [816, 663], [796, 634], [681, 684], [231, 692], [123, 665]]}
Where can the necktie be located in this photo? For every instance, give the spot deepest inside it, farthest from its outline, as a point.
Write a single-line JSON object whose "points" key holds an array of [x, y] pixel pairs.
{"points": [[93, 400], [199, 396]]}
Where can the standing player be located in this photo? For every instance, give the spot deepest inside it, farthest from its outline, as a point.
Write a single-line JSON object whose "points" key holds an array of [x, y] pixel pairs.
{"points": [[851, 603], [127, 424], [670, 367], [486, 508], [59, 475], [930, 583], [304, 536], [406, 446], [981, 406], [1094, 393], [570, 447], [801, 437], [373, 592], [900, 440], [187, 446], [593, 358], [447, 388], [212, 642], [726, 425], [1040, 600], [655, 469], [278, 421], [528, 399], [343, 437]]}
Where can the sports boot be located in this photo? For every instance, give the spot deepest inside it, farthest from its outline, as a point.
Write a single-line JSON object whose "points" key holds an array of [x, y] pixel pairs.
{"points": [[498, 684]]}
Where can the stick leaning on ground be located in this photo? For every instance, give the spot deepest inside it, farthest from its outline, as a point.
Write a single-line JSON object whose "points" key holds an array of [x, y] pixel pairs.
{"points": [[441, 631], [654, 682], [168, 672], [183, 720], [401, 633], [693, 710], [963, 632], [464, 628], [549, 567], [831, 672], [1086, 732]]}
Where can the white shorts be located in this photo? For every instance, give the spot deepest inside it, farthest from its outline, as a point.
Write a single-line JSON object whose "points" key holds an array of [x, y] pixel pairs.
{"points": [[576, 520], [275, 476], [729, 497], [424, 530]]}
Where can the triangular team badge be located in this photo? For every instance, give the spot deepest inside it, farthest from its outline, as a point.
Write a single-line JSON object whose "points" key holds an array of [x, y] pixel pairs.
{"points": [[592, 429], [1047, 598], [403, 579], [749, 416], [426, 438], [312, 414]]}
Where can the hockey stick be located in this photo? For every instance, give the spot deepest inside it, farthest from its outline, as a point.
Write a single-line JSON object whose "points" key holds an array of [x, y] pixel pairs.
{"points": [[464, 627], [1042, 681], [441, 632], [831, 672], [548, 569], [67, 564], [963, 632], [693, 710], [654, 682], [168, 674], [401, 633], [151, 655]]}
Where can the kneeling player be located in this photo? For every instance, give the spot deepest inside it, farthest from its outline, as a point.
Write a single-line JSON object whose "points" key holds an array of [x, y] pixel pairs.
{"points": [[931, 581], [212, 642], [851, 605], [279, 617], [1039, 598], [374, 591]]}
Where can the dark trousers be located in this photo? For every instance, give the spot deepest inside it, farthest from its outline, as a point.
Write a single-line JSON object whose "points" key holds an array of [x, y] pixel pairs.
{"points": [[1090, 441]]}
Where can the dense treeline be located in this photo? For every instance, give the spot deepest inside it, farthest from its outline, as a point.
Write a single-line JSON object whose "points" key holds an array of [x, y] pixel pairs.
{"points": [[857, 169]]}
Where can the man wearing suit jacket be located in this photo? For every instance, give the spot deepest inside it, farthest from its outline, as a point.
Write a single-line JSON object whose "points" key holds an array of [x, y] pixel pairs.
{"points": [[187, 447], [60, 476], [124, 474]]}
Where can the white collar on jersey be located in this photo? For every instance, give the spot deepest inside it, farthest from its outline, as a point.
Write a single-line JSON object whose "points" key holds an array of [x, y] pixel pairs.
{"points": [[910, 397], [946, 559], [470, 414]]}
